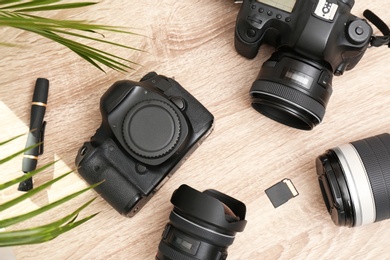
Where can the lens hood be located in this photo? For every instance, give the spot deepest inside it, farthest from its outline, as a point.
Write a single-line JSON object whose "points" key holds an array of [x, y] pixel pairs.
{"points": [[209, 207], [202, 225]]}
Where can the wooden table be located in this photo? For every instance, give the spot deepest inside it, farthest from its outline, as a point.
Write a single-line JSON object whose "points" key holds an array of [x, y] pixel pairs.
{"points": [[246, 153]]}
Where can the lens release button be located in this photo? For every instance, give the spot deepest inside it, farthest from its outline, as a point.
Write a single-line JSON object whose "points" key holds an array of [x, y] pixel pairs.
{"points": [[179, 102]]}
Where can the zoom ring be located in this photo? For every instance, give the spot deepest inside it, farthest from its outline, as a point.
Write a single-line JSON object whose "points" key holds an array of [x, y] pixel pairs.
{"points": [[199, 231], [375, 154]]}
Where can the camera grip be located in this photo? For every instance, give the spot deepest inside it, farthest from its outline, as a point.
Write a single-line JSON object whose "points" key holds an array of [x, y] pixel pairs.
{"points": [[94, 167]]}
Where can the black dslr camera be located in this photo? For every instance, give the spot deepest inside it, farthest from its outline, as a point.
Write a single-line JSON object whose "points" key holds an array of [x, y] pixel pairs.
{"points": [[149, 129], [314, 39]]}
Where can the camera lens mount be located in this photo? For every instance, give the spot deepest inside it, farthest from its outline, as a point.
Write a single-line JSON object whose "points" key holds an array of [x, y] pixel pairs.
{"points": [[292, 90], [151, 128]]}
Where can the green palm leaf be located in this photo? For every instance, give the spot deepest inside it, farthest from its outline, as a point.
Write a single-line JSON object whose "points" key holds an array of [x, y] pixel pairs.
{"points": [[24, 177], [10, 157], [14, 13], [42, 233], [10, 140]]}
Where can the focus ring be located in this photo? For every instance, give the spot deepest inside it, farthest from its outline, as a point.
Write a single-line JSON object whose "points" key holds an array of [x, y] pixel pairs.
{"points": [[290, 95], [375, 155], [212, 236]]}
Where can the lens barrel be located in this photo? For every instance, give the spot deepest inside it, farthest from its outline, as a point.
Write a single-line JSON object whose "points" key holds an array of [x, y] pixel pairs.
{"points": [[201, 225], [355, 181], [292, 90]]}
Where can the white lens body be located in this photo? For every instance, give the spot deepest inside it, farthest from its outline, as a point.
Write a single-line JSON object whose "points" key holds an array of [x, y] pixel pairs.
{"points": [[359, 185]]}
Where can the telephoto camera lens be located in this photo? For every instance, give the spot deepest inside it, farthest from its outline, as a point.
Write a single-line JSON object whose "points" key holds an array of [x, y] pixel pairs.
{"points": [[355, 181], [292, 90], [202, 225]]}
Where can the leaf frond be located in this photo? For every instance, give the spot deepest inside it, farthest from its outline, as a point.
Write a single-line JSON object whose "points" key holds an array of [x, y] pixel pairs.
{"points": [[25, 176], [30, 193], [10, 157], [15, 13], [56, 7], [45, 232], [40, 235], [10, 140], [31, 214]]}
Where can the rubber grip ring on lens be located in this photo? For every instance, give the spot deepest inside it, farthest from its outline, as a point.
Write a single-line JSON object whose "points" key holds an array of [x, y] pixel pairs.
{"points": [[182, 223], [358, 184], [376, 158]]}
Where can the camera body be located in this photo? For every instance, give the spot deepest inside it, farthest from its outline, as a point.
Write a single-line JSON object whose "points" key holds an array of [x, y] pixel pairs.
{"points": [[149, 128], [323, 30], [314, 40]]}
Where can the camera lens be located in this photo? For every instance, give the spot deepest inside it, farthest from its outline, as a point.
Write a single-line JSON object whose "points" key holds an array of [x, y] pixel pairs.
{"points": [[201, 225], [292, 90], [355, 181]]}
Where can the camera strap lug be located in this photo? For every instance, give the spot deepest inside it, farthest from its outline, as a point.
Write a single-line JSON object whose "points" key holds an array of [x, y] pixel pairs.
{"points": [[378, 41]]}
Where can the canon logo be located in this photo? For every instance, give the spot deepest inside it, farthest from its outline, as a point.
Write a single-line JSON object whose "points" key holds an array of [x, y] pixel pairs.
{"points": [[326, 10]]}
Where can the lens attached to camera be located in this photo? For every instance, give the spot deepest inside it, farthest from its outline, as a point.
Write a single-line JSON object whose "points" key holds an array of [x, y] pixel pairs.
{"points": [[292, 90], [202, 225], [355, 181]]}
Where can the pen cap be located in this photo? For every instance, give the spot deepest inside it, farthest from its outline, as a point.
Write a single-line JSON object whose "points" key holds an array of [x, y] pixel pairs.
{"points": [[41, 90]]}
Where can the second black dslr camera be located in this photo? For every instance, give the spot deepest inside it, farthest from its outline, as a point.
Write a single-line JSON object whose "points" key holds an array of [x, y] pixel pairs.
{"points": [[314, 40], [148, 130]]}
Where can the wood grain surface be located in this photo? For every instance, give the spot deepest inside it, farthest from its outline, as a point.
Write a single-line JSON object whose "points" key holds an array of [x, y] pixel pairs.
{"points": [[247, 152]]}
